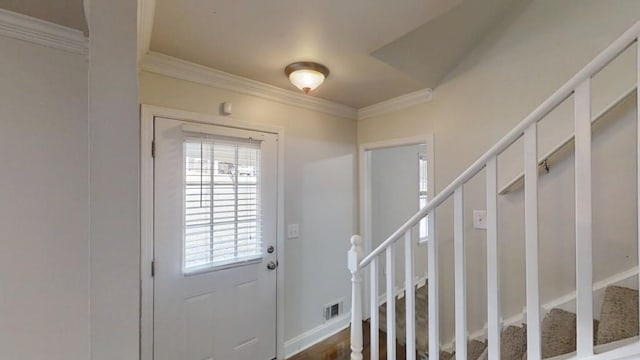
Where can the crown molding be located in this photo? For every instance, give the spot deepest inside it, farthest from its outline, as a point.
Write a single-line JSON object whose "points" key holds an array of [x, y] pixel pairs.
{"points": [[185, 70], [26, 28], [395, 104]]}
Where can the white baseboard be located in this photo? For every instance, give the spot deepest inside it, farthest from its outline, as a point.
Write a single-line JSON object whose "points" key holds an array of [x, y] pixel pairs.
{"points": [[320, 333], [316, 335], [567, 302]]}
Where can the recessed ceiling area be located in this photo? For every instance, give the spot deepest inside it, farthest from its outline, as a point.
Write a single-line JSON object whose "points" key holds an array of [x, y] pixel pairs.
{"points": [[375, 49], [431, 51], [256, 39], [69, 13]]}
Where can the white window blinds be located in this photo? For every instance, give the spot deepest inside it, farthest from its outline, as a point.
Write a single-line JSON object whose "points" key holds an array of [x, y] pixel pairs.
{"points": [[221, 201]]}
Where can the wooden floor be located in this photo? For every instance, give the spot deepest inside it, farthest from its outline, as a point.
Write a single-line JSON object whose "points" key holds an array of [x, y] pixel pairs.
{"points": [[337, 347]]}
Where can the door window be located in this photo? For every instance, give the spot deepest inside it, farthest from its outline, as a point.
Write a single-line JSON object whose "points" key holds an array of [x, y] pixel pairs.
{"points": [[221, 203]]}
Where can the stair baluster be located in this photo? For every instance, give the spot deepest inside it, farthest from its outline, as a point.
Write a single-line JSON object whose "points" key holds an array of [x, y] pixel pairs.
{"points": [[375, 319], [391, 301], [584, 275], [534, 347], [494, 325], [409, 297], [354, 258], [638, 145], [460, 274], [432, 276]]}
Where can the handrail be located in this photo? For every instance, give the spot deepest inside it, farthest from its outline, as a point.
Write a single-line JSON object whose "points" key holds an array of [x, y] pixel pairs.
{"points": [[605, 57]]}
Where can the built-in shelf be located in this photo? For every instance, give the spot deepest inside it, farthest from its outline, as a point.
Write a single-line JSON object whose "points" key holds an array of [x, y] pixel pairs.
{"points": [[565, 145]]}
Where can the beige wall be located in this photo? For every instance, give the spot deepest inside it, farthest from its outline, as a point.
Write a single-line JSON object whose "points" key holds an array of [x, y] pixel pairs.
{"points": [[320, 159], [44, 187], [514, 69]]}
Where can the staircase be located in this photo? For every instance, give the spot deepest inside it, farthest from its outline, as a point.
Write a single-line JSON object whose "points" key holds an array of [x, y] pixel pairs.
{"points": [[619, 318], [414, 319]]}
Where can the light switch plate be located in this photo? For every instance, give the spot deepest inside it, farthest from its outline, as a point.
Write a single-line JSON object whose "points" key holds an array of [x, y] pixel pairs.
{"points": [[293, 231], [480, 219]]}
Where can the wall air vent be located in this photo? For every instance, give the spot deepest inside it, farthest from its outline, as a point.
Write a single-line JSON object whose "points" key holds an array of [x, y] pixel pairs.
{"points": [[333, 310]]}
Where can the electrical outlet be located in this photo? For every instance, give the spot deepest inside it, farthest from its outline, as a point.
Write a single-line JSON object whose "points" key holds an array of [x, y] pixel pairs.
{"points": [[293, 231], [480, 219]]}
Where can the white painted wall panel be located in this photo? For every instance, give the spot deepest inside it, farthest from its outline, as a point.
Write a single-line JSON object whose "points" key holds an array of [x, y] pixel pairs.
{"points": [[114, 125], [44, 247]]}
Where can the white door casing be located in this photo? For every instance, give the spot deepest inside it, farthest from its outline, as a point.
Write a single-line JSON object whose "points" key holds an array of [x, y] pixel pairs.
{"points": [[220, 312]]}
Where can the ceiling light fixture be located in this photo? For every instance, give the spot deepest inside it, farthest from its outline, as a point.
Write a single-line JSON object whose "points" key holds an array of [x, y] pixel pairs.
{"points": [[306, 75]]}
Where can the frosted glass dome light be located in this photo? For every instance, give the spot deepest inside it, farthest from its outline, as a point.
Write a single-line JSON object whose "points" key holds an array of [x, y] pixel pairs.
{"points": [[306, 76]]}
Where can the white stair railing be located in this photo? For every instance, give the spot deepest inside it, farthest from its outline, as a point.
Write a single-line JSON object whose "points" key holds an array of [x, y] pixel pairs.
{"points": [[579, 86]]}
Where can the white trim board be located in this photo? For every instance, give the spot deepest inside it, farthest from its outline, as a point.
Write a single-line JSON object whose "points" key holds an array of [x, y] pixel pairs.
{"points": [[148, 113], [185, 70], [316, 335], [395, 104], [27, 28], [146, 16], [567, 302]]}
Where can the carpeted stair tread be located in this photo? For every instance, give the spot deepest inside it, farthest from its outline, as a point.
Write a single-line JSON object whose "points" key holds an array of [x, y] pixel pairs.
{"points": [[546, 343], [618, 321], [558, 333], [513, 343], [420, 319], [445, 355], [619, 315], [475, 348]]}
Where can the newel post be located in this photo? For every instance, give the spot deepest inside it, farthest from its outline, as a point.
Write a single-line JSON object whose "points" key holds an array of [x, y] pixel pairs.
{"points": [[354, 258]]}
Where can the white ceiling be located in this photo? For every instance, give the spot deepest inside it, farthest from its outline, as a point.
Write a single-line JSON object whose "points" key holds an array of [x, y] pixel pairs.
{"points": [[69, 13], [256, 39]]}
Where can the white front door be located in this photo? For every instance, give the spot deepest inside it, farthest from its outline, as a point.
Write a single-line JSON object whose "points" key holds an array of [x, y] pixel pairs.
{"points": [[214, 242]]}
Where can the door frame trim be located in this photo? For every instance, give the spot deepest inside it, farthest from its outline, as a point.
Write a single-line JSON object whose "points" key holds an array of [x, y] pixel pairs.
{"points": [[147, 115]]}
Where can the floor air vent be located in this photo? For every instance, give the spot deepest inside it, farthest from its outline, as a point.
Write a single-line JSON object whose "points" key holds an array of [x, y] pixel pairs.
{"points": [[332, 311]]}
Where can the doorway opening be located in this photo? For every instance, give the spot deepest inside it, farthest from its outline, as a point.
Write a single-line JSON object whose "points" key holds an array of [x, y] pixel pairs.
{"points": [[396, 180]]}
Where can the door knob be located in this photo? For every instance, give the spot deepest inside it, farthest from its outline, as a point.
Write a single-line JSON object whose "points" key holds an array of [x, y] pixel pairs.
{"points": [[272, 265]]}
